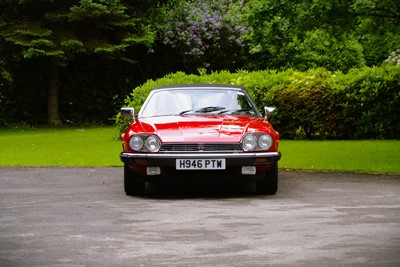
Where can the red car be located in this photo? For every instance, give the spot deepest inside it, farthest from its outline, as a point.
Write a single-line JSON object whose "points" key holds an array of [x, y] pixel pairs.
{"points": [[200, 133]]}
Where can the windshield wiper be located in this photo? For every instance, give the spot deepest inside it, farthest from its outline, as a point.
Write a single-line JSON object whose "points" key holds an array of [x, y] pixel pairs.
{"points": [[231, 111], [203, 110]]}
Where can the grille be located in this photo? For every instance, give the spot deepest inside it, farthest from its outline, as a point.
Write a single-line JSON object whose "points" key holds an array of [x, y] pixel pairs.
{"points": [[201, 147]]}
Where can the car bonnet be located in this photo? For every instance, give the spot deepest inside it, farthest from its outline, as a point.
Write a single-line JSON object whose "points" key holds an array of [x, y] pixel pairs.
{"points": [[200, 128]]}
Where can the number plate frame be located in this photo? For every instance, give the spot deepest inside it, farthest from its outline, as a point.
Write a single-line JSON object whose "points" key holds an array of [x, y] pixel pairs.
{"points": [[200, 164]]}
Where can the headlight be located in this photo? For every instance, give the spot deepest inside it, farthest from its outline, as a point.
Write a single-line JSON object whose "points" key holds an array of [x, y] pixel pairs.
{"points": [[136, 142], [257, 142], [265, 141], [249, 142], [152, 143]]}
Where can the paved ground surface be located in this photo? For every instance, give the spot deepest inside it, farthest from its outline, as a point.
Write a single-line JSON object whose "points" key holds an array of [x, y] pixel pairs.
{"points": [[81, 217]]}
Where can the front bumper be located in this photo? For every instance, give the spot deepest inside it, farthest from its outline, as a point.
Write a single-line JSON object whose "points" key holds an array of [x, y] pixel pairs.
{"points": [[161, 159], [139, 162]]}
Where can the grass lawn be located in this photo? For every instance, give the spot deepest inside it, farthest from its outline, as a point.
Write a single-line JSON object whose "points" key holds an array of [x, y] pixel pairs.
{"points": [[364, 156], [101, 147], [60, 147]]}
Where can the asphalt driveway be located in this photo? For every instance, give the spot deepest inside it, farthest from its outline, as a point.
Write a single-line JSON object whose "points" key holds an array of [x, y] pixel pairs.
{"points": [[81, 217]]}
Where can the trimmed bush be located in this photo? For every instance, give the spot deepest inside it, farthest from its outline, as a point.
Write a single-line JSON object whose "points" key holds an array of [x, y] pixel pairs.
{"points": [[316, 104], [370, 103]]}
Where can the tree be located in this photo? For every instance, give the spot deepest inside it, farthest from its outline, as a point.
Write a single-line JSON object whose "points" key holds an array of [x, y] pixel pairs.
{"points": [[378, 28], [206, 34], [61, 30], [5, 80], [277, 26]]}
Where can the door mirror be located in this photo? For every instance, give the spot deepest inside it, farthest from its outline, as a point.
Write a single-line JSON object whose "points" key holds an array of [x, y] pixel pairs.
{"points": [[128, 112], [268, 111]]}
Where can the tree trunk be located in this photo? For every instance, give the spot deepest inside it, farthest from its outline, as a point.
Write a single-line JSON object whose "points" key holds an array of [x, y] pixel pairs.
{"points": [[53, 114]]}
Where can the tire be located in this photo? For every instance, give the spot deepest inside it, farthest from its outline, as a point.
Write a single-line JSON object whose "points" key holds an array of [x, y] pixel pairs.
{"points": [[269, 186], [132, 186]]}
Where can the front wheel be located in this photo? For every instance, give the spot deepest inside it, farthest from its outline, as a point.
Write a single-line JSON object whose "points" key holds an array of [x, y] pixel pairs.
{"points": [[269, 186], [132, 186]]}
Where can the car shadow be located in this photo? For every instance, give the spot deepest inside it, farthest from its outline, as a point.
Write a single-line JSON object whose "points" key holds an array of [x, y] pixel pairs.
{"points": [[199, 190], [290, 185]]}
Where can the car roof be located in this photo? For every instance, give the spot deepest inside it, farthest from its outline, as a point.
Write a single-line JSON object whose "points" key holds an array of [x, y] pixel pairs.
{"points": [[191, 86]]}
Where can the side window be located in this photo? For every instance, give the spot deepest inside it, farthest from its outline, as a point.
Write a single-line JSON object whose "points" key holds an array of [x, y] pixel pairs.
{"points": [[243, 102]]}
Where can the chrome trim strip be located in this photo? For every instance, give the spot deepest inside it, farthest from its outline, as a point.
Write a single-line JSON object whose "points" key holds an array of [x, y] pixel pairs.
{"points": [[204, 155]]}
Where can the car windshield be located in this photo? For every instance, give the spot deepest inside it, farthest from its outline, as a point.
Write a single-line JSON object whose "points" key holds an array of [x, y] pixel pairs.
{"points": [[198, 101]]}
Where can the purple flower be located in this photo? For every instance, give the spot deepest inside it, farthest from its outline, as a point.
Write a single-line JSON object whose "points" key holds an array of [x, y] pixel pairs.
{"points": [[198, 26]]}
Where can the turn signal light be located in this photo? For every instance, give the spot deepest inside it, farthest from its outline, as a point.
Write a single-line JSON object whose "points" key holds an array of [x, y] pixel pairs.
{"points": [[140, 161], [261, 160]]}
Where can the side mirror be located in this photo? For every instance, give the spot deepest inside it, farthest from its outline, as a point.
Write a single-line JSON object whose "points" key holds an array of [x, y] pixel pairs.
{"points": [[268, 111], [128, 112]]}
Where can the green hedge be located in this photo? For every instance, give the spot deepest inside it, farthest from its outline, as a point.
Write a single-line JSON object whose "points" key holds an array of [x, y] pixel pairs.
{"points": [[317, 104]]}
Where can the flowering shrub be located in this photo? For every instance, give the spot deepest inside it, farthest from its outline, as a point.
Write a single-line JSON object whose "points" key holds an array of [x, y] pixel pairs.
{"points": [[202, 27], [394, 57]]}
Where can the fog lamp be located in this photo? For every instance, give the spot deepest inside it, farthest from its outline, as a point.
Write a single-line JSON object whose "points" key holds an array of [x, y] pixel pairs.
{"points": [[248, 170], [153, 171]]}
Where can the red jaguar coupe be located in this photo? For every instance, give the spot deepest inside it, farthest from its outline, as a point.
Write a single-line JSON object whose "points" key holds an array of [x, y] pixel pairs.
{"points": [[200, 133]]}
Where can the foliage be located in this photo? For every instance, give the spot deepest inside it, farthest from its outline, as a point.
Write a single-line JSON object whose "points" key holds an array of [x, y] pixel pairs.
{"points": [[321, 49], [206, 32], [91, 91], [64, 29], [372, 103], [61, 31], [316, 104], [5, 81], [285, 33], [394, 57], [378, 28], [304, 106], [106, 47]]}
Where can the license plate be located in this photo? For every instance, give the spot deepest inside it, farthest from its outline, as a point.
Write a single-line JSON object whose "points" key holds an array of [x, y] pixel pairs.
{"points": [[200, 164]]}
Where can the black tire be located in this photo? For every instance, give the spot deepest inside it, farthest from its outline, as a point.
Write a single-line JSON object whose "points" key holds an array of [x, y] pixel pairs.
{"points": [[269, 186], [132, 186]]}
